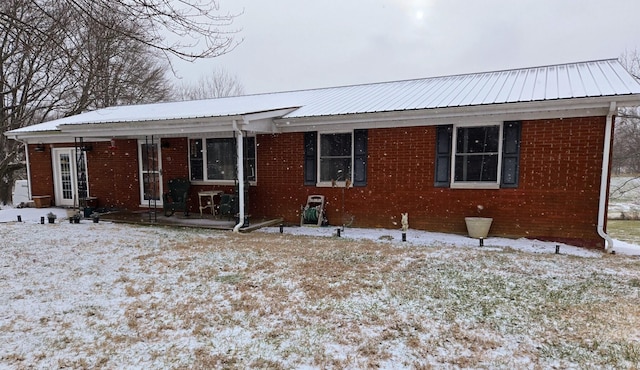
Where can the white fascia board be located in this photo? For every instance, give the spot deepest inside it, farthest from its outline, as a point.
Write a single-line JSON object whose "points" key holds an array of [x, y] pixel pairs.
{"points": [[585, 107], [167, 128], [46, 137], [255, 122]]}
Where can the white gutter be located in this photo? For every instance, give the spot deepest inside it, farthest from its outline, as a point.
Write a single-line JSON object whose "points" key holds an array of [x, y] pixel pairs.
{"points": [[604, 178], [240, 165]]}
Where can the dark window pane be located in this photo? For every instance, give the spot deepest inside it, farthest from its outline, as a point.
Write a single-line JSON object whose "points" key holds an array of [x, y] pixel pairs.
{"points": [[221, 154], [335, 157], [476, 167], [335, 145], [477, 139], [477, 153], [338, 169]]}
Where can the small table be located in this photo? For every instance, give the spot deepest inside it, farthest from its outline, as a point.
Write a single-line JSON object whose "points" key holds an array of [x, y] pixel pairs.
{"points": [[209, 202]]}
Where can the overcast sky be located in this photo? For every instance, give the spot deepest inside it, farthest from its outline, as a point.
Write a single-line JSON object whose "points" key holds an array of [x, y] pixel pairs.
{"points": [[302, 44]]}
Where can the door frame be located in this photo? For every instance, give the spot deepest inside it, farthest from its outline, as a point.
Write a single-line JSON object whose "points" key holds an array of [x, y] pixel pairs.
{"points": [[58, 188], [141, 172]]}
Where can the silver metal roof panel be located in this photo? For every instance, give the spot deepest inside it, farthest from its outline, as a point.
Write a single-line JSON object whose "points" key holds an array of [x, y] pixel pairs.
{"points": [[554, 82]]}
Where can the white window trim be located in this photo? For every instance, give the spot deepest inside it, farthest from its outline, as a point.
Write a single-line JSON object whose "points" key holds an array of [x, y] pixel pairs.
{"points": [[475, 184], [337, 184], [205, 181]]}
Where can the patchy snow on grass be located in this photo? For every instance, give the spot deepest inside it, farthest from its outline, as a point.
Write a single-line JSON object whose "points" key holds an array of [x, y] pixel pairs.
{"points": [[121, 296]]}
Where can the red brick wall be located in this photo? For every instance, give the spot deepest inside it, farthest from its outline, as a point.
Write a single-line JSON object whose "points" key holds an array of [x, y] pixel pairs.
{"points": [[113, 171], [113, 174], [557, 196], [41, 172]]}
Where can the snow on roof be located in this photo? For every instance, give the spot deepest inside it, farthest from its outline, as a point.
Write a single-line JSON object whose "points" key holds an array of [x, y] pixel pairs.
{"points": [[565, 81]]}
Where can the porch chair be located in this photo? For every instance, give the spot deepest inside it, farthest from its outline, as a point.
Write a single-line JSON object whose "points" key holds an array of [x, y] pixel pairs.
{"points": [[176, 198], [228, 205]]}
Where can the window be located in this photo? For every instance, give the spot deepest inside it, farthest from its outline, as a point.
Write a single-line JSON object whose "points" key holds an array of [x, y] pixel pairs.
{"points": [[214, 159], [479, 156], [335, 157], [476, 158]]}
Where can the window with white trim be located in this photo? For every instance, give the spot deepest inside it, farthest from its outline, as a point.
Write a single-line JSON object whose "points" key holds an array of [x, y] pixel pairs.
{"points": [[477, 150], [478, 156], [334, 158], [215, 159]]}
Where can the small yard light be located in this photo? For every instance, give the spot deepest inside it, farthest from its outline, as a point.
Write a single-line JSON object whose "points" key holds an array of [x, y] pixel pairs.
{"points": [[42, 220], [557, 249], [404, 237], [338, 232], [281, 228], [481, 242], [19, 218]]}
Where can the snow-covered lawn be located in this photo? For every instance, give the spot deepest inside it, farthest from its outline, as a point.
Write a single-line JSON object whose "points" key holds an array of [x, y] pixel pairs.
{"points": [[119, 296]]}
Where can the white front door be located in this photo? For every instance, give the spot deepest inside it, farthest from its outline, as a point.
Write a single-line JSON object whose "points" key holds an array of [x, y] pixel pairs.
{"points": [[150, 172], [65, 175]]}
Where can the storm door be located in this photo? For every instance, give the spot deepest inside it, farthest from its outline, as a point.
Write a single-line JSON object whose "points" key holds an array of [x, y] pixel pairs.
{"points": [[65, 173], [150, 172]]}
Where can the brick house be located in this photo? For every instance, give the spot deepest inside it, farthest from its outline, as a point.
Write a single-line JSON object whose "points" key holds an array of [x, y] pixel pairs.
{"points": [[530, 146]]}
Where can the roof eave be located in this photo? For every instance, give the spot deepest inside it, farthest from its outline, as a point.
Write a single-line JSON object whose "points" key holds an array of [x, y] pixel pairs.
{"points": [[562, 108]]}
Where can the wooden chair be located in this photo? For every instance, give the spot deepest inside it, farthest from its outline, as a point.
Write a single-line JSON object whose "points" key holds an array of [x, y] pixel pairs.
{"points": [[176, 198]]}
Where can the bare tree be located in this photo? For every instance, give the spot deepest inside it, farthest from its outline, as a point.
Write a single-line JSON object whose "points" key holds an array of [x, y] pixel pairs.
{"points": [[217, 84], [111, 69], [66, 67], [626, 146], [31, 74], [188, 29]]}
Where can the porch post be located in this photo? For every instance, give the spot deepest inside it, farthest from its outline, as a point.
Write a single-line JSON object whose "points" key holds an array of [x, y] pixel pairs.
{"points": [[240, 166]]}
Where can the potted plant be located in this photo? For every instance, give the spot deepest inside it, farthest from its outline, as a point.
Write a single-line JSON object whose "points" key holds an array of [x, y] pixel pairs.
{"points": [[96, 217], [52, 217], [478, 227], [75, 218]]}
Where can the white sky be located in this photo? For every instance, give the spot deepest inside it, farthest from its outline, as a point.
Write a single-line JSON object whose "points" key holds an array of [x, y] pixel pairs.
{"points": [[300, 44]]}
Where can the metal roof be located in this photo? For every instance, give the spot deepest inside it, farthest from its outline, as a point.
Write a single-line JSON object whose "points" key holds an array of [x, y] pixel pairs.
{"points": [[554, 82], [602, 78]]}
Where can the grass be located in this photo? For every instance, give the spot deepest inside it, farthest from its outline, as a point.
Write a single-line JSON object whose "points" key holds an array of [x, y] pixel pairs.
{"points": [[218, 300], [625, 230]]}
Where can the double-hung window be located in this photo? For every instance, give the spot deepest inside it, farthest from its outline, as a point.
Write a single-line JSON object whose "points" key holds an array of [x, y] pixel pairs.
{"points": [[478, 156], [215, 159], [477, 150], [335, 158]]}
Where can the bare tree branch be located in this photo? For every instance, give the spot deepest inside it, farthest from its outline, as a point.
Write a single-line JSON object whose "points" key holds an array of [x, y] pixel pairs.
{"points": [[217, 84], [189, 30]]}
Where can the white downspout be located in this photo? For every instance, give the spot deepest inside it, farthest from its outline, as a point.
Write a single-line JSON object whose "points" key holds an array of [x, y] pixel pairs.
{"points": [[604, 179], [240, 166]]}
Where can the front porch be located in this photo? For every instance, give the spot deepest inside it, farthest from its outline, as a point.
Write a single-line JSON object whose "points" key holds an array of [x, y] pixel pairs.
{"points": [[180, 220]]}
